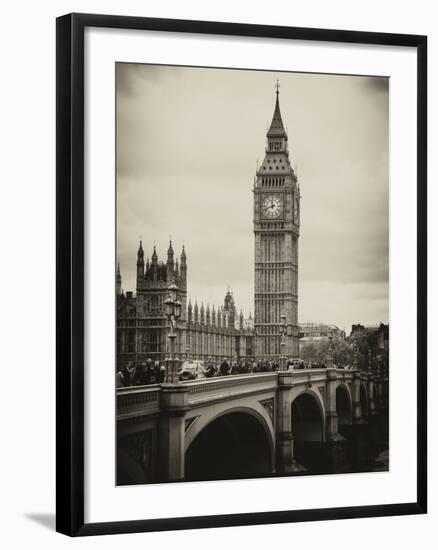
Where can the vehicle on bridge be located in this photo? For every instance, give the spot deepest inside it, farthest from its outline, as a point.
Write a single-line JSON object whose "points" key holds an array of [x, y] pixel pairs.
{"points": [[296, 363], [192, 370]]}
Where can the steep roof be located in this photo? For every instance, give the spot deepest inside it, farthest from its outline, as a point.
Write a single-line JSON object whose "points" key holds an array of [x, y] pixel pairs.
{"points": [[277, 128]]}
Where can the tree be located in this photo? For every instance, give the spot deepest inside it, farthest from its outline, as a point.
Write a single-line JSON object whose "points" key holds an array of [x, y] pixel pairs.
{"points": [[317, 351]]}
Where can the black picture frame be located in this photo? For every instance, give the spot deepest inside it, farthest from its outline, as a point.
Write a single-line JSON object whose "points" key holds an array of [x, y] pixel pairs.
{"points": [[70, 273]]}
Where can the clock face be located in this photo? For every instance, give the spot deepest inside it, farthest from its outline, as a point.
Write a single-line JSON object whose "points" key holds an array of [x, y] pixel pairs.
{"points": [[271, 206]]}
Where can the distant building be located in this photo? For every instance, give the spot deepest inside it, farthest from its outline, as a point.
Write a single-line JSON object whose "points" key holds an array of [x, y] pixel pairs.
{"points": [[373, 342], [314, 332], [362, 330]]}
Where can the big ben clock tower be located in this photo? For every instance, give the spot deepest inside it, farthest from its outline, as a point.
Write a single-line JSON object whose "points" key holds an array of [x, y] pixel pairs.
{"points": [[276, 231]]}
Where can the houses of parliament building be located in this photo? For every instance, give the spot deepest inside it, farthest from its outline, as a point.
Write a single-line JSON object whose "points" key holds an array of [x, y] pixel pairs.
{"points": [[213, 334], [204, 333]]}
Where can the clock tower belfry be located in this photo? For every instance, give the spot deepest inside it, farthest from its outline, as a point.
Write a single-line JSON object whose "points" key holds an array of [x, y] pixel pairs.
{"points": [[276, 231]]}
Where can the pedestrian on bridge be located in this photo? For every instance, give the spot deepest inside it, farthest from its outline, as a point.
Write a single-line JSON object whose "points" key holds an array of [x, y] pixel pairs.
{"points": [[235, 368], [124, 376], [141, 376], [224, 368]]}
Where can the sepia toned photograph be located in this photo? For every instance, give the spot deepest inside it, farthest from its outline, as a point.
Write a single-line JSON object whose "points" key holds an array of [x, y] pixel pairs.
{"points": [[252, 276]]}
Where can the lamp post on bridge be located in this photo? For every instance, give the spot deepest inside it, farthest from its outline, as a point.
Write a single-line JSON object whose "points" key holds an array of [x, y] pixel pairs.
{"points": [[283, 330], [330, 360], [355, 361], [172, 309], [370, 361]]}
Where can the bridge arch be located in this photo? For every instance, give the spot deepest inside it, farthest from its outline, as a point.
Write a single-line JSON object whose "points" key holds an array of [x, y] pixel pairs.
{"points": [[236, 442], [308, 430], [308, 417], [344, 406]]}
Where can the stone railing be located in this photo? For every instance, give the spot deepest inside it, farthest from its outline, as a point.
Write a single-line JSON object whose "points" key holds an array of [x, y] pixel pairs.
{"points": [[145, 400], [345, 375], [212, 389], [303, 376], [138, 401]]}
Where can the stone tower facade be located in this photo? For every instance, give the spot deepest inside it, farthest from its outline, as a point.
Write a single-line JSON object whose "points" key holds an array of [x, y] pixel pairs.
{"points": [[276, 230], [141, 322]]}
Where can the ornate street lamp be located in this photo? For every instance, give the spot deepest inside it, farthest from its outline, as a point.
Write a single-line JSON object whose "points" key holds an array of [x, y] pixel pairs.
{"points": [[172, 309], [370, 361], [355, 360], [330, 360], [283, 331]]}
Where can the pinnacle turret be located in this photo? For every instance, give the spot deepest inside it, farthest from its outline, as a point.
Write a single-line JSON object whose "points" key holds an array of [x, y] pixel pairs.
{"points": [[140, 261], [170, 252]]}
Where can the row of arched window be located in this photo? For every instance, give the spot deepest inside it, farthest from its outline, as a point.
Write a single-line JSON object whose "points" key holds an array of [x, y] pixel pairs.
{"points": [[273, 182], [275, 146]]}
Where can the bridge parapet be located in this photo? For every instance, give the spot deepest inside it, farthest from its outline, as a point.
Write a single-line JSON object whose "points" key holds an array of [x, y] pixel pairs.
{"points": [[345, 375], [145, 400], [138, 401], [230, 387], [308, 376]]}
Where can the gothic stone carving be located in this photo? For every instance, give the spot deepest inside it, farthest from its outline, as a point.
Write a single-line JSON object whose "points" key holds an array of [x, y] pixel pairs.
{"points": [[268, 404], [189, 422], [322, 392]]}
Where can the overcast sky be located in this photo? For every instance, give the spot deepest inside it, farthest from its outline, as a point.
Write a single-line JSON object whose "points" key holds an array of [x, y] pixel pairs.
{"points": [[188, 141]]}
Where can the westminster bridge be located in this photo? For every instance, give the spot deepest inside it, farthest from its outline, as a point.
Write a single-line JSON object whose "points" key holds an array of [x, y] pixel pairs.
{"points": [[277, 423]]}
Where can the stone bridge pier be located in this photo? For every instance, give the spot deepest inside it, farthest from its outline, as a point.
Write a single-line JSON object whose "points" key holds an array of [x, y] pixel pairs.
{"points": [[313, 421]]}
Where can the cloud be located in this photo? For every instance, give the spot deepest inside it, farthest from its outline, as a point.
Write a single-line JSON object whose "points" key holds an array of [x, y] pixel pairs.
{"points": [[187, 144]]}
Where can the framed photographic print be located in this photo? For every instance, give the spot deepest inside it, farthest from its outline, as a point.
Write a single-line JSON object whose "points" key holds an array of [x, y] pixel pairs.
{"points": [[241, 274]]}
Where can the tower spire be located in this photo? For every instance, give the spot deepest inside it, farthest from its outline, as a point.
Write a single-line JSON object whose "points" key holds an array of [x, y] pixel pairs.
{"points": [[140, 261], [154, 255], [276, 129], [183, 268], [170, 264], [140, 251]]}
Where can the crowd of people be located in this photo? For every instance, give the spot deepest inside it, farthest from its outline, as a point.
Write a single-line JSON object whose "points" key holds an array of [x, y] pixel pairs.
{"points": [[240, 367], [249, 367], [151, 372], [141, 374]]}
